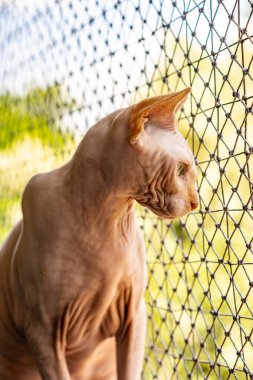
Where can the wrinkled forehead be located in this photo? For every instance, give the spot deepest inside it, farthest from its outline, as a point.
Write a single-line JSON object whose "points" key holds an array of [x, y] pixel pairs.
{"points": [[171, 143], [182, 152], [179, 149]]}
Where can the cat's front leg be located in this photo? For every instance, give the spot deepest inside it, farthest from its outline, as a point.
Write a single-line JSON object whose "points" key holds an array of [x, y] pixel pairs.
{"points": [[48, 355], [130, 347]]}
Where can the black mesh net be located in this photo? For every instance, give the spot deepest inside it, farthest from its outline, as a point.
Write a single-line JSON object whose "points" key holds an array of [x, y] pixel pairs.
{"points": [[66, 64]]}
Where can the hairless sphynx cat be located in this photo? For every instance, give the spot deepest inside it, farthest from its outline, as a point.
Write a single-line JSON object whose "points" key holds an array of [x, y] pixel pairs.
{"points": [[73, 270]]}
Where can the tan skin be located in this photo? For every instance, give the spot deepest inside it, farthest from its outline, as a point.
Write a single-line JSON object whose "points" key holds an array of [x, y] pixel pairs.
{"points": [[73, 271]]}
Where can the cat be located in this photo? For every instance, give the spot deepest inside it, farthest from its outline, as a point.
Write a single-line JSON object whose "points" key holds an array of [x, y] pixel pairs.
{"points": [[73, 270]]}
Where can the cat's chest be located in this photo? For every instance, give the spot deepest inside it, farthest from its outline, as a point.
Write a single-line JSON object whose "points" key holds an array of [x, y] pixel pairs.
{"points": [[96, 315], [106, 302]]}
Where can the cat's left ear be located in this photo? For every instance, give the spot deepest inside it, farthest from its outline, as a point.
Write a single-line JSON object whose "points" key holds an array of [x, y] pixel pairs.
{"points": [[160, 110]]}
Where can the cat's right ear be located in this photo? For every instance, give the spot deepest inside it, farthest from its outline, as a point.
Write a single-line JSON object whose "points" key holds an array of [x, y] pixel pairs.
{"points": [[160, 110]]}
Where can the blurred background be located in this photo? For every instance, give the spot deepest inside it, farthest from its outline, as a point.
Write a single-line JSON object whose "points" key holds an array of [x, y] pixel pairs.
{"points": [[64, 65]]}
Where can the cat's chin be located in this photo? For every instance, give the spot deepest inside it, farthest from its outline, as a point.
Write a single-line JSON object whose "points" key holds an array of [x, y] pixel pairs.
{"points": [[164, 215]]}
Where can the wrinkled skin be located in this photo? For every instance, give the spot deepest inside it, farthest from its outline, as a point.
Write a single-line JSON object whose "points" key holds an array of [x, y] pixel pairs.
{"points": [[73, 272]]}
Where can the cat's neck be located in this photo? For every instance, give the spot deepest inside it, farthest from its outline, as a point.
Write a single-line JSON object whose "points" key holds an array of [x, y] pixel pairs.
{"points": [[97, 187]]}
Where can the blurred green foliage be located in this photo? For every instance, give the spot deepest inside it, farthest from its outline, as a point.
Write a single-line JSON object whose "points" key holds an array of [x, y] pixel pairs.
{"points": [[34, 115], [31, 141]]}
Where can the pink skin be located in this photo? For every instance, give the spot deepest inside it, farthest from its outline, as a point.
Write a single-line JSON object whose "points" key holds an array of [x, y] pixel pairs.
{"points": [[73, 272]]}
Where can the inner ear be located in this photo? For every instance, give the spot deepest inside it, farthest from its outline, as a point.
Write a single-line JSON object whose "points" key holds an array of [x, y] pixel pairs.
{"points": [[163, 115], [160, 110]]}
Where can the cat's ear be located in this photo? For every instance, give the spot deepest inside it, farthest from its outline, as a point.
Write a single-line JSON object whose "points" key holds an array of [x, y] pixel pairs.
{"points": [[160, 110]]}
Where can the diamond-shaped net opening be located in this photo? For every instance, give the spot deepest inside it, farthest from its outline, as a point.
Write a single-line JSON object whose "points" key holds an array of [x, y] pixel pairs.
{"points": [[66, 64]]}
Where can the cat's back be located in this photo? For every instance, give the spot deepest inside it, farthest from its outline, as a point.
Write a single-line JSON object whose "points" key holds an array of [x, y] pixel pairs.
{"points": [[7, 251], [6, 257]]}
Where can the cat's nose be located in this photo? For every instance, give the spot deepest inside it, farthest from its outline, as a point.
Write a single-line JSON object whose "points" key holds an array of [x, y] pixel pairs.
{"points": [[194, 205]]}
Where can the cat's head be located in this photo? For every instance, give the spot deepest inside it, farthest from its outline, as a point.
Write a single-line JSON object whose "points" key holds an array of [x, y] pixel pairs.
{"points": [[165, 163]]}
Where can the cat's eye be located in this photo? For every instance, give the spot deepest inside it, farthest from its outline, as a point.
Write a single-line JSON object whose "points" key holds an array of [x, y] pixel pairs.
{"points": [[181, 169]]}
